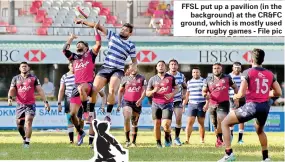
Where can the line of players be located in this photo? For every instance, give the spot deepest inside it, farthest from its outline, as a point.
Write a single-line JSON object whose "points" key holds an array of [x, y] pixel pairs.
{"points": [[162, 88]]}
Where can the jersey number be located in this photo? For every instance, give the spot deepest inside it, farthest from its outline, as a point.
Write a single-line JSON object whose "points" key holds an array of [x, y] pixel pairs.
{"points": [[263, 88]]}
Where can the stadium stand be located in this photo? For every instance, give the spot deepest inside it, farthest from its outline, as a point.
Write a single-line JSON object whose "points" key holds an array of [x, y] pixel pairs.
{"points": [[55, 17]]}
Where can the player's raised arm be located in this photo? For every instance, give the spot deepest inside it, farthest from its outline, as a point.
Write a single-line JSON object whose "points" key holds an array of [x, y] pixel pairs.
{"points": [[97, 46], [66, 47], [91, 25]]}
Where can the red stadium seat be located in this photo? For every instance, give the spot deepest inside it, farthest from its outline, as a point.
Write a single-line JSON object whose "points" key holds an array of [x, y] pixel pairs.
{"points": [[105, 11], [42, 12], [48, 20], [97, 4], [167, 21], [37, 4], [11, 29], [39, 18], [165, 30], [42, 31], [33, 10], [111, 19], [3, 23]]}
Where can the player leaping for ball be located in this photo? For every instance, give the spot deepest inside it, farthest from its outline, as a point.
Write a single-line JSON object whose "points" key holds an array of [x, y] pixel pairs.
{"points": [[255, 86], [83, 65], [119, 49]]}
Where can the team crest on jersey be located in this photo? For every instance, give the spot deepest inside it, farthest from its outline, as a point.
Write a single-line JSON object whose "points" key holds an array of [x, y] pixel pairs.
{"points": [[223, 81], [260, 75], [166, 80], [138, 81], [29, 80]]}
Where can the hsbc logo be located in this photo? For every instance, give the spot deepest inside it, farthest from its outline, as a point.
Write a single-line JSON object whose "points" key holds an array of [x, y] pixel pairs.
{"points": [[35, 55], [146, 56], [247, 56]]}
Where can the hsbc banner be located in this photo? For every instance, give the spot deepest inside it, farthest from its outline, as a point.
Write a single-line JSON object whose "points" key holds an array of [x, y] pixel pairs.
{"points": [[147, 56], [57, 120]]}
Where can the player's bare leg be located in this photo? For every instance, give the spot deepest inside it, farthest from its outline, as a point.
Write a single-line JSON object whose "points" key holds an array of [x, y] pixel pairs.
{"points": [[230, 120], [83, 90], [98, 84], [70, 128], [189, 128], [178, 115], [111, 99], [157, 132], [21, 128], [92, 115], [73, 112], [134, 119], [166, 124], [28, 124], [127, 112], [220, 117], [201, 128], [262, 139]]}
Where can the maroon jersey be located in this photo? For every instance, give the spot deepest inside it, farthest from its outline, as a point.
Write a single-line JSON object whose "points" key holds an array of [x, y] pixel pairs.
{"points": [[25, 88], [165, 85], [83, 66], [133, 87], [259, 81], [218, 88]]}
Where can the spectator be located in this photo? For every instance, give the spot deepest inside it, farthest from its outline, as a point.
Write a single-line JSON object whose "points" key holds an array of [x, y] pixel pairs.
{"points": [[157, 18], [48, 87], [163, 5], [168, 12]]}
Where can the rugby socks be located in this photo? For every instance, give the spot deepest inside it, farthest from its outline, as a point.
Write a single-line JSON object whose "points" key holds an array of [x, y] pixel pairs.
{"points": [[134, 133], [220, 136], [84, 104], [265, 154], [127, 136], [229, 151], [22, 132], [158, 142], [167, 136], [240, 134], [91, 109], [27, 141], [71, 134], [109, 109], [177, 132], [91, 138]]}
